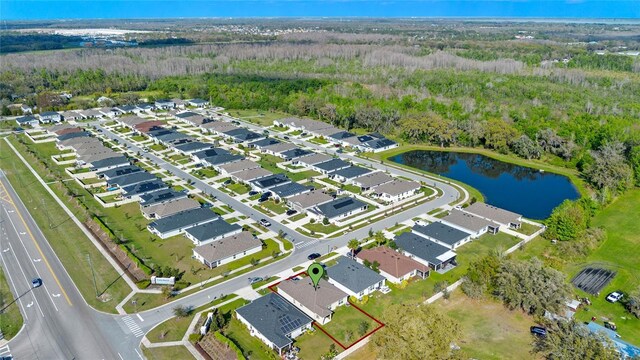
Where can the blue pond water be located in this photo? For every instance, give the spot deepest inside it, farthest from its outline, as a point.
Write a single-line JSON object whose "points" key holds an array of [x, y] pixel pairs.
{"points": [[520, 189]]}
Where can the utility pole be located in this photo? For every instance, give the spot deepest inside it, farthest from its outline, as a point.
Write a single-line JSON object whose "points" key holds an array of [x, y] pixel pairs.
{"points": [[92, 273]]}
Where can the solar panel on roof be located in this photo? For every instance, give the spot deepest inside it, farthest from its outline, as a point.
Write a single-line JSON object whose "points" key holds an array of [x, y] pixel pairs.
{"points": [[287, 324]]}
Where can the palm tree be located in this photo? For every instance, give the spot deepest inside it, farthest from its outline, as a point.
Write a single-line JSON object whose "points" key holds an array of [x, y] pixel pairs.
{"points": [[353, 245]]}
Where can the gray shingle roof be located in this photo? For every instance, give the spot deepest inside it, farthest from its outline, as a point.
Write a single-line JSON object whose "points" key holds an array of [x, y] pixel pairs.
{"points": [[351, 172], [290, 189], [271, 181], [467, 221], [212, 230], [352, 275], [222, 159], [228, 246], [342, 135], [119, 171], [295, 153], [243, 134], [74, 135], [496, 214], [422, 248], [339, 206], [317, 299], [192, 146], [183, 219], [310, 199], [264, 142], [111, 161], [171, 207], [274, 318], [314, 159], [210, 152], [160, 196], [441, 232], [131, 179], [333, 164], [145, 187]]}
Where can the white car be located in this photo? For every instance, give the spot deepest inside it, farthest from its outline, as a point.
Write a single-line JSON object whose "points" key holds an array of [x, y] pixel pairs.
{"points": [[615, 296], [265, 222]]}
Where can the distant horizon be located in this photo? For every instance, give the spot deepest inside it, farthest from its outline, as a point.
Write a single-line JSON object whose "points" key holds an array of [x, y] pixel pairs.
{"points": [[502, 10]]}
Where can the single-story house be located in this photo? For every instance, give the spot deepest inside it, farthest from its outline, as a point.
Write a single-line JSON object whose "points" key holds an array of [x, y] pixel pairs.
{"points": [[49, 117], [327, 132], [198, 103], [73, 141], [349, 173], [427, 252], [339, 208], [238, 166], [396, 190], [130, 179], [131, 121], [26, 109], [227, 249], [190, 118], [308, 200], [340, 136], [353, 278], [91, 114], [218, 127], [268, 182], [71, 115], [164, 104], [138, 190], [495, 214], [302, 124], [71, 130], [217, 160], [126, 109], [161, 210], [470, 223], [119, 171], [277, 149], [393, 265], [317, 302], [179, 223], [625, 349], [143, 107], [168, 137], [199, 155], [212, 231], [161, 197], [242, 135], [263, 143], [148, 126], [330, 166], [74, 134], [274, 321], [290, 189], [191, 147], [294, 153], [108, 163], [180, 104], [111, 113], [442, 234], [378, 145], [312, 159], [371, 180], [246, 176], [27, 120]]}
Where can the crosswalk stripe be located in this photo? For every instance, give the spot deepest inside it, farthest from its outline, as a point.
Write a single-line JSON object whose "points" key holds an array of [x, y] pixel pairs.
{"points": [[300, 246], [133, 326], [5, 351]]}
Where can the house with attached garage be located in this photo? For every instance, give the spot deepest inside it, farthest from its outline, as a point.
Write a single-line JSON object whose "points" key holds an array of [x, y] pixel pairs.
{"points": [[238, 166], [442, 234], [138, 190], [288, 190], [277, 149], [160, 197], [317, 302], [302, 124], [330, 166], [396, 190], [29, 120], [474, 225], [130, 179], [489, 212], [371, 180], [218, 127], [108, 163], [26, 109], [71, 116], [164, 104], [294, 153], [427, 252], [311, 159], [126, 109], [50, 117], [268, 182], [308, 200], [346, 175], [274, 321], [242, 135], [394, 266], [111, 113], [228, 249], [191, 147], [263, 143], [337, 209], [179, 223], [119, 171], [212, 231], [199, 103], [249, 175], [353, 278], [171, 207]]}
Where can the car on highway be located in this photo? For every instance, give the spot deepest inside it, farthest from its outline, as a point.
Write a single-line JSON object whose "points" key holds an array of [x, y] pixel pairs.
{"points": [[538, 331], [265, 222], [291, 212], [36, 283], [253, 280], [313, 256], [615, 296]]}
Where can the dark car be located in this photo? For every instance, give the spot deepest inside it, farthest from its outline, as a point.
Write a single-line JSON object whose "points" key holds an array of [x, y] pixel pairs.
{"points": [[36, 283], [253, 192], [538, 331], [313, 256], [285, 137], [227, 182], [291, 212]]}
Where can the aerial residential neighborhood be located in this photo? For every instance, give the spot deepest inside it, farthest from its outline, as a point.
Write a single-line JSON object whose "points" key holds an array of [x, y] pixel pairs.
{"points": [[402, 184]]}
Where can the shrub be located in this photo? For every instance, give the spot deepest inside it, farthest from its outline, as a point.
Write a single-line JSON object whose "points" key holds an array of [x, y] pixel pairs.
{"points": [[194, 338]]}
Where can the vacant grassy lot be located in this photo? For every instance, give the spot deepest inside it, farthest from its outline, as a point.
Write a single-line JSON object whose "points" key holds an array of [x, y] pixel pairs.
{"points": [[260, 117], [167, 353], [67, 240], [11, 318], [489, 330]]}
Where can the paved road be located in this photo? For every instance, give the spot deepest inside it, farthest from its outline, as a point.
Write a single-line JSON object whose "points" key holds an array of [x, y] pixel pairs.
{"points": [[58, 324], [304, 244]]}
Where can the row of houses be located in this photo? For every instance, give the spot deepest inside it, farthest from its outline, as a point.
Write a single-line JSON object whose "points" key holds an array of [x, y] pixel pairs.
{"points": [[90, 152], [373, 142]]}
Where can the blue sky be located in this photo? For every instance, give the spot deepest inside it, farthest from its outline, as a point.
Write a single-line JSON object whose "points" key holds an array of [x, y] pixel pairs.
{"points": [[112, 9]]}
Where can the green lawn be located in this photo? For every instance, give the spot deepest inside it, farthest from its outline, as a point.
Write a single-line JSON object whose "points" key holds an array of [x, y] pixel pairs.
{"points": [[167, 353], [260, 117], [250, 346], [138, 138], [318, 227], [318, 140], [68, 241], [297, 217], [303, 175], [527, 229], [10, 318], [205, 173], [238, 188], [268, 162], [157, 147], [347, 319], [278, 208]]}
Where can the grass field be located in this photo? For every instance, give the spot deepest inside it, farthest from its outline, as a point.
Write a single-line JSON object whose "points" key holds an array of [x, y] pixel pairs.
{"points": [[67, 240], [167, 353], [11, 318], [260, 117]]}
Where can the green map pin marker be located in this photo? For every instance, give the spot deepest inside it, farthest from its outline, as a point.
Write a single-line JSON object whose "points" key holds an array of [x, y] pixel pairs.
{"points": [[315, 272]]}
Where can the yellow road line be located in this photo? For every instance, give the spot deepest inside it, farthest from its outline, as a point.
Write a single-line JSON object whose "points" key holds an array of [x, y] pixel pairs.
{"points": [[37, 246]]}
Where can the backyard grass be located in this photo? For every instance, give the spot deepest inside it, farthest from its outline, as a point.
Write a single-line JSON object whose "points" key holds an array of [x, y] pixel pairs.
{"points": [[345, 325], [250, 346], [68, 241], [527, 228], [167, 353], [489, 330], [205, 173], [11, 318], [303, 175], [268, 162]]}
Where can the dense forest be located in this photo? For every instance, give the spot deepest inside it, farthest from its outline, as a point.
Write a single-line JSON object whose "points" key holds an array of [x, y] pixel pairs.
{"points": [[566, 93]]}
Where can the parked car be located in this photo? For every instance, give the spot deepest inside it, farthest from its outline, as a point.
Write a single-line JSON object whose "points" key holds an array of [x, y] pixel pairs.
{"points": [[253, 192], [253, 280], [538, 331], [615, 296], [227, 182], [262, 199], [291, 212], [285, 137], [36, 283], [265, 222], [313, 256]]}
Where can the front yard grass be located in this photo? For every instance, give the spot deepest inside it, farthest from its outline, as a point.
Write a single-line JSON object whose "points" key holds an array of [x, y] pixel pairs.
{"points": [[318, 227], [167, 353], [238, 188], [271, 205]]}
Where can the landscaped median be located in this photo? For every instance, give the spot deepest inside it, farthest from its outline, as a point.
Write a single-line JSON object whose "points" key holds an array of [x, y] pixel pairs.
{"points": [[10, 318]]}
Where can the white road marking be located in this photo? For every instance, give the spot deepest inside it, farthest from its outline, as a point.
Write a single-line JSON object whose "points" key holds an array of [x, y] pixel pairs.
{"points": [[30, 304], [5, 250], [5, 351], [22, 233], [136, 350], [16, 289], [120, 356], [139, 317], [133, 326], [37, 260], [55, 295], [26, 279]]}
